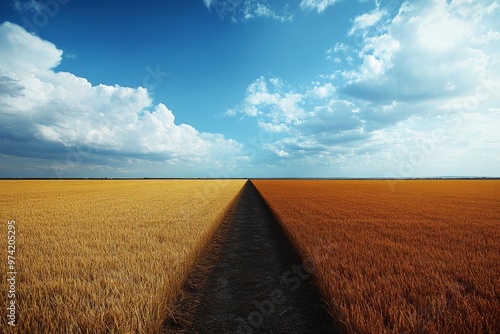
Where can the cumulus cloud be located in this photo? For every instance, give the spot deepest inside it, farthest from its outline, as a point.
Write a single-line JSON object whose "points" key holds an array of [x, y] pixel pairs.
{"points": [[421, 99], [314, 121], [429, 49], [268, 97], [322, 91], [42, 108]]}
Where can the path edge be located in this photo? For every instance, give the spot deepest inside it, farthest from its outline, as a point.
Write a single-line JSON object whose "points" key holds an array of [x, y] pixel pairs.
{"points": [[179, 319]]}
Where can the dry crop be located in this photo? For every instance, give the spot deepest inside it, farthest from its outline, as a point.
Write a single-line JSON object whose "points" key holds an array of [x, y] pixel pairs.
{"points": [[105, 256], [422, 259]]}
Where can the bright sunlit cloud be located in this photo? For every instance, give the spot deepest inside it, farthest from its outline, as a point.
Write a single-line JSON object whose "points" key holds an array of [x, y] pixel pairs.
{"points": [[43, 108]]}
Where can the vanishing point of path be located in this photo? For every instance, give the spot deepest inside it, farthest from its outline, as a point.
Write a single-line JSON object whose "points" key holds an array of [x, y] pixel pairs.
{"points": [[250, 280]]}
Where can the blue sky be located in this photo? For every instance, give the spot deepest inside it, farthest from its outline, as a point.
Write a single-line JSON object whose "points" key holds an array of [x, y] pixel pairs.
{"points": [[249, 88]]}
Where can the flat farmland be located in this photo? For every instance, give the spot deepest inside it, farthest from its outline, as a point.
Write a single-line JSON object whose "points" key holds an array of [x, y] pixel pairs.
{"points": [[423, 258], [99, 256]]}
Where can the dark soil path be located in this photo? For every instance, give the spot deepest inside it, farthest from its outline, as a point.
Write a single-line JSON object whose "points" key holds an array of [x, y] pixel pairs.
{"points": [[250, 280]]}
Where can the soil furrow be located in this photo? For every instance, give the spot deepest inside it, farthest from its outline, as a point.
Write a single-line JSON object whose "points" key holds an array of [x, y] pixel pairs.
{"points": [[250, 280]]}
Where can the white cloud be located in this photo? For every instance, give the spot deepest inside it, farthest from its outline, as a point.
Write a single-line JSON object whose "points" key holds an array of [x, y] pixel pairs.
{"points": [[367, 20], [258, 9], [318, 5], [421, 101], [377, 55], [279, 153], [260, 100], [28, 6], [244, 10], [313, 121], [322, 91], [25, 52], [437, 29], [258, 94], [45, 108], [428, 50], [270, 127]]}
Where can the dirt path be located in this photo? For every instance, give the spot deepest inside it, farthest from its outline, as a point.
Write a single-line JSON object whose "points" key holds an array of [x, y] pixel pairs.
{"points": [[250, 280]]}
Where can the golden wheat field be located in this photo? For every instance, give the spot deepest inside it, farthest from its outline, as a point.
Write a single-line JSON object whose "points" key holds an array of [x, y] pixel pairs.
{"points": [[424, 258], [95, 256]]}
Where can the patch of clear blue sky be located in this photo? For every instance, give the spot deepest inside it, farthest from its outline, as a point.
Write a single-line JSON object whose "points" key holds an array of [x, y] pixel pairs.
{"points": [[210, 61]]}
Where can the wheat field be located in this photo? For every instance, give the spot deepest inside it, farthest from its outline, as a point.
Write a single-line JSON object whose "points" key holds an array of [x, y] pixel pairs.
{"points": [[422, 259], [105, 256]]}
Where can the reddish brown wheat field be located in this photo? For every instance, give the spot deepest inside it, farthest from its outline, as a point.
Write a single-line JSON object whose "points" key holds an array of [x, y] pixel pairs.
{"points": [[422, 258]]}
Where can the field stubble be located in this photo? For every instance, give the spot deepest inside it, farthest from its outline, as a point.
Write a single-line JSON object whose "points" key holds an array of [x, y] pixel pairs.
{"points": [[106, 256], [423, 259]]}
